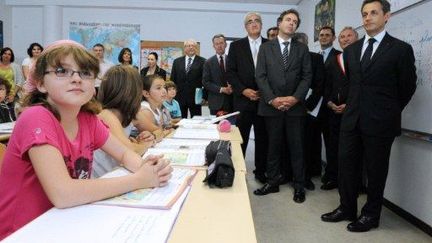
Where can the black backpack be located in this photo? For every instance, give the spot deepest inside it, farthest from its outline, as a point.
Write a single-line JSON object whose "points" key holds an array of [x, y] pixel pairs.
{"points": [[220, 170]]}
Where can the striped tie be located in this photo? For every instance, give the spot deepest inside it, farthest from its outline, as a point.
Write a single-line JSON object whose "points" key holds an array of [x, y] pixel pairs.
{"points": [[285, 54], [189, 64]]}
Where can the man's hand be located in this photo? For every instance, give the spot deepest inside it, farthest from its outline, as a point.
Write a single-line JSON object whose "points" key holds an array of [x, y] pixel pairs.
{"points": [[251, 94]]}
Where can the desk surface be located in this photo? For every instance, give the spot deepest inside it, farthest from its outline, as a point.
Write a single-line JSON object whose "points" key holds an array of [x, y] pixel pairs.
{"points": [[215, 215]]}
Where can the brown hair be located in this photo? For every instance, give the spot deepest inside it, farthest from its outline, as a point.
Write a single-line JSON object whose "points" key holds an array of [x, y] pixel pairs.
{"points": [[121, 89], [170, 84], [6, 84], [52, 58]]}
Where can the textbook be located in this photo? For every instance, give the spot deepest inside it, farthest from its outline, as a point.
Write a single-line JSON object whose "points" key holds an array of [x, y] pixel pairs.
{"points": [[182, 155], [154, 198]]}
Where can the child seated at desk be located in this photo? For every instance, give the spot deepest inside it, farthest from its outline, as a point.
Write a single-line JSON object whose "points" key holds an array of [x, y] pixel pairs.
{"points": [[154, 94], [5, 114], [170, 103], [49, 157], [120, 96]]}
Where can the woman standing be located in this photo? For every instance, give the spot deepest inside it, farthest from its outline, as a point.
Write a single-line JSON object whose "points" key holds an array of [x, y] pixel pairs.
{"points": [[125, 57], [152, 67], [34, 51]]}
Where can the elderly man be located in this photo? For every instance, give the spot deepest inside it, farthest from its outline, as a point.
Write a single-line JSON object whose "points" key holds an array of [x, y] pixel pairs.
{"points": [[242, 59], [187, 74]]}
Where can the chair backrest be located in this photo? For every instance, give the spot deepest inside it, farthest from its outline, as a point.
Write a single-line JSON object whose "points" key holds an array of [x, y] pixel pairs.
{"points": [[2, 152]]}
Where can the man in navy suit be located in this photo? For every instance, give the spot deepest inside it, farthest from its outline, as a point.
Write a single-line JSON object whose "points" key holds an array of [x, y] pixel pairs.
{"points": [[283, 76], [215, 80], [242, 58], [382, 79], [187, 73]]}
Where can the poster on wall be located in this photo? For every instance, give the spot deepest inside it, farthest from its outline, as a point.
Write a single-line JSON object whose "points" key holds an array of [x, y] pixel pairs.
{"points": [[167, 51], [114, 37], [324, 16], [1, 34]]}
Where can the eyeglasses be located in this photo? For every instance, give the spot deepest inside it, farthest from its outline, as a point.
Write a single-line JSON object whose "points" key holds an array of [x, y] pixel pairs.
{"points": [[251, 21], [66, 73]]}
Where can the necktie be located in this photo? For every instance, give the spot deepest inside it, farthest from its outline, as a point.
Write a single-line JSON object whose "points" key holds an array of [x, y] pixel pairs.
{"points": [[254, 52], [189, 64], [222, 64], [367, 54], [285, 54]]}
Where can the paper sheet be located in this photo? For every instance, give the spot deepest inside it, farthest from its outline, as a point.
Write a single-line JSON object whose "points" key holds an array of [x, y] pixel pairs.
{"points": [[100, 224]]}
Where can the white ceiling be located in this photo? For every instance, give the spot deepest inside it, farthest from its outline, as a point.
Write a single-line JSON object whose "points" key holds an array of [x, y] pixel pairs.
{"points": [[278, 2]]}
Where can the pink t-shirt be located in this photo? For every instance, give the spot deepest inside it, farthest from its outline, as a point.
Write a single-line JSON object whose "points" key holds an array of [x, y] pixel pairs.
{"points": [[22, 197]]}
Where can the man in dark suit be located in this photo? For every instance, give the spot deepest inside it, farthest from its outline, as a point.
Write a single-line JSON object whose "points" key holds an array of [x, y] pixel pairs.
{"points": [[242, 58], [326, 38], [336, 92], [283, 76], [187, 73], [381, 72], [313, 132], [215, 79]]}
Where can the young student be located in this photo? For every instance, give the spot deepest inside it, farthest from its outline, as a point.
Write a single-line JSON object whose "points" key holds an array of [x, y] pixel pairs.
{"points": [[48, 160], [120, 96], [154, 94], [5, 115], [170, 103]]}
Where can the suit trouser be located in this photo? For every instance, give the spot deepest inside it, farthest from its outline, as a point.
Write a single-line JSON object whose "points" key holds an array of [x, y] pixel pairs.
{"points": [[312, 146], [355, 148], [244, 122], [195, 110], [293, 127], [331, 170]]}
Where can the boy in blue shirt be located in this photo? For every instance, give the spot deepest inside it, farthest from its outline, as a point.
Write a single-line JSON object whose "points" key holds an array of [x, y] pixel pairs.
{"points": [[170, 103]]}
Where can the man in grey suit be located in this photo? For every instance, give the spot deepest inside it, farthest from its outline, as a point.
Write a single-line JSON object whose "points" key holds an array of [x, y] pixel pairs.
{"points": [[283, 76], [215, 79]]}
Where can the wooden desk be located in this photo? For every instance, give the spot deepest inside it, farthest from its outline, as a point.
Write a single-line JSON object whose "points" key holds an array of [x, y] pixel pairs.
{"points": [[4, 137], [233, 136], [215, 215]]}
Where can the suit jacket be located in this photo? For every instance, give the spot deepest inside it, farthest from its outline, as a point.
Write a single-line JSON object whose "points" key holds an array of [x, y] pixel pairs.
{"points": [[187, 82], [275, 81], [378, 94], [213, 80], [159, 71], [241, 73], [332, 54], [337, 84], [317, 84]]}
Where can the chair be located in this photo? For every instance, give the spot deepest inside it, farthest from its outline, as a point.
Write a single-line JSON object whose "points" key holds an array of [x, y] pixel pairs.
{"points": [[2, 152]]}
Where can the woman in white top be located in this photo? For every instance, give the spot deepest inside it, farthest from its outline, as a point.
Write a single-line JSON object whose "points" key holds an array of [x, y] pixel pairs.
{"points": [[34, 51], [120, 96]]}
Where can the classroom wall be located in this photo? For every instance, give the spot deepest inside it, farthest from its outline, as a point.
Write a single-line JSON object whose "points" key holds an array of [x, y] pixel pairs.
{"points": [[6, 17], [159, 20], [409, 183]]}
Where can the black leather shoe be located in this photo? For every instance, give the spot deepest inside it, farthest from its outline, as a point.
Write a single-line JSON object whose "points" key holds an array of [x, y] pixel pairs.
{"points": [[261, 178], [329, 185], [309, 185], [363, 224], [337, 215], [299, 195], [266, 189]]}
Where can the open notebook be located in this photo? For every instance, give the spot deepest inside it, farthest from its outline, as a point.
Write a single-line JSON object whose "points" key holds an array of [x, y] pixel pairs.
{"points": [[157, 198]]}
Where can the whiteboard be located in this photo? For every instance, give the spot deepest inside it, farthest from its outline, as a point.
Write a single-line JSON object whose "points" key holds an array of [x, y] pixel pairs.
{"points": [[413, 25], [397, 5]]}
